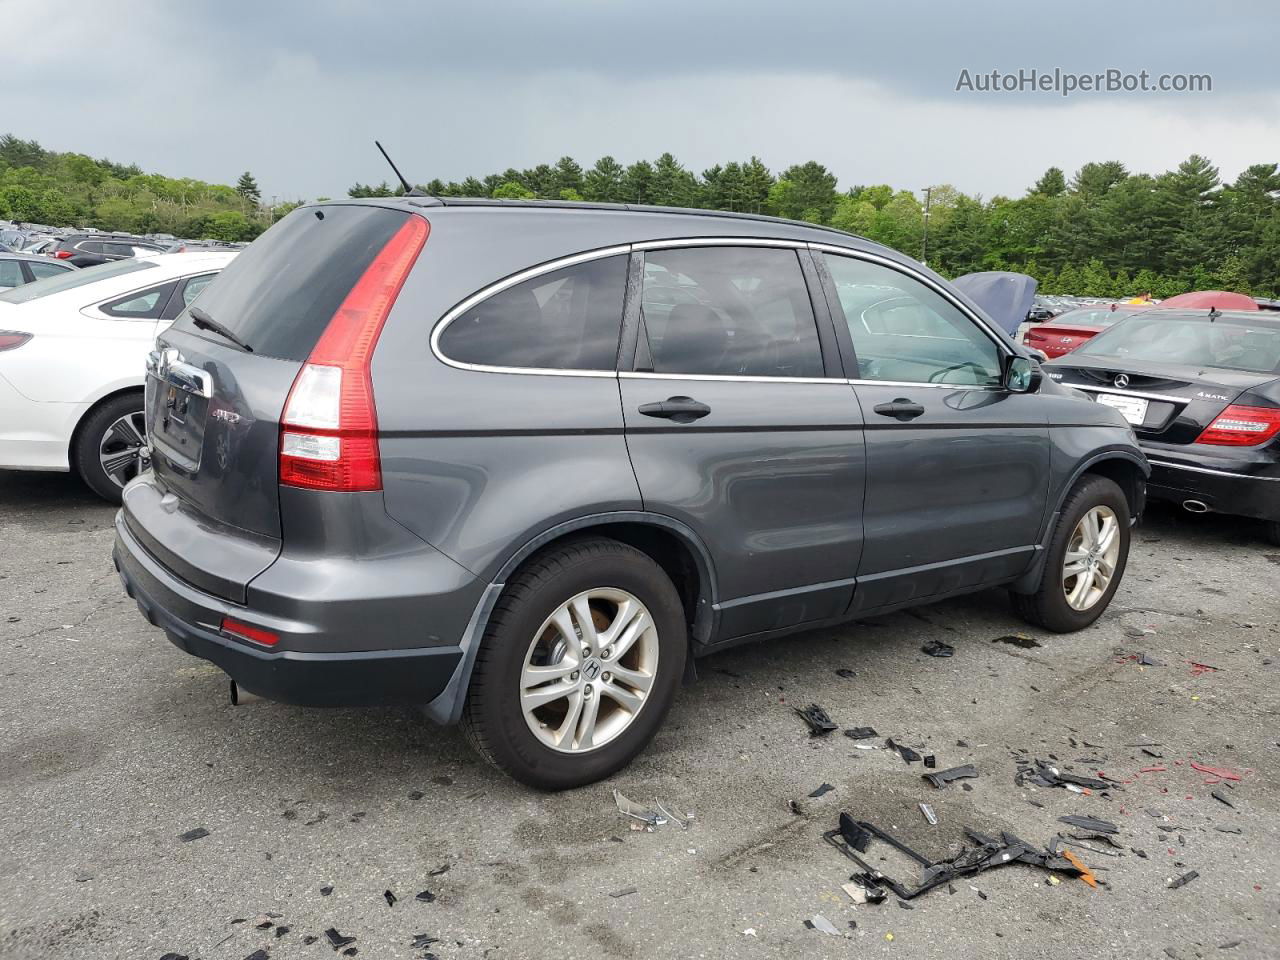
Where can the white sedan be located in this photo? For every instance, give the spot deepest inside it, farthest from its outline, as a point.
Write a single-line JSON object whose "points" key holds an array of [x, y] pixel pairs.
{"points": [[73, 355]]}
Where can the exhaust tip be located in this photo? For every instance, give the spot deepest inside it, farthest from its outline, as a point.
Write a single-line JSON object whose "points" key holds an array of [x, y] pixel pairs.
{"points": [[1195, 506]]}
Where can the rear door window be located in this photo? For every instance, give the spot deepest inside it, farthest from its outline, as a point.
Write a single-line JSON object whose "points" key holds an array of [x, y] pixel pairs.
{"points": [[568, 319], [728, 311], [42, 270], [281, 292], [142, 305]]}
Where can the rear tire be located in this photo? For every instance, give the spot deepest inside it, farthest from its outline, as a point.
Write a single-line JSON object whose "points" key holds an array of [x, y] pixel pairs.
{"points": [[110, 446], [1050, 606], [526, 632]]}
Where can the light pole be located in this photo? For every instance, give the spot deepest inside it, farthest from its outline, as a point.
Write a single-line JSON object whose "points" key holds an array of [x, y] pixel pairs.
{"points": [[924, 243]]}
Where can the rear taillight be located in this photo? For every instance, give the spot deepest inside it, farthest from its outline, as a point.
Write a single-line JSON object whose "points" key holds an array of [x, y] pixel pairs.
{"points": [[244, 631], [1032, 335], [12, 339], [62, 254], [1241, 426], [329, 430]]}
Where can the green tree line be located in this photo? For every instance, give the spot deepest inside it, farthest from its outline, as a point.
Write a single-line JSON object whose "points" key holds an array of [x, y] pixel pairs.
{"points": [[72, 189], [1103, 232]]}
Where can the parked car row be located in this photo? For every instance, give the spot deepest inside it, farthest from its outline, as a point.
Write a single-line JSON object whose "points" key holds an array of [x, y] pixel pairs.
{"points": [[519, 463]]}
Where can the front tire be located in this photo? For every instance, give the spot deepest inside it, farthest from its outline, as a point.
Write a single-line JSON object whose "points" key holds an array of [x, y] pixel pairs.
{"points": [[578, 665], [111, 446], [1085, 560]]}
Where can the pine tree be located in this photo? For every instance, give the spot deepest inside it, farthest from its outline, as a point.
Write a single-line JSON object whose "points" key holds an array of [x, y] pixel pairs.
{"points": [[247, 187], [1053, 183]]}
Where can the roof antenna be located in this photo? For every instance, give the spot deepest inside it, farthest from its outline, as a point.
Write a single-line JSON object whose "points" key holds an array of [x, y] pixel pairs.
{"points": [[409, 190]]}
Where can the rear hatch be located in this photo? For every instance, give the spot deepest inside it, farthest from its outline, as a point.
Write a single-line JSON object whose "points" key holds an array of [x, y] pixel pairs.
{"points": [[214, 400]]}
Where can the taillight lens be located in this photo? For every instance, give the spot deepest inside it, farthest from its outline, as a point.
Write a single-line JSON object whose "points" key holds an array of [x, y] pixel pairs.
{"points": [[12, 339], [248, 632], [1241, 426], [329, 430], [62, 254]]}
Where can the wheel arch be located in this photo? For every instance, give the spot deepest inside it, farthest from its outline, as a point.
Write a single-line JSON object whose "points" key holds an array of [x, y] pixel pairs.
{"points": [[673, 545]]}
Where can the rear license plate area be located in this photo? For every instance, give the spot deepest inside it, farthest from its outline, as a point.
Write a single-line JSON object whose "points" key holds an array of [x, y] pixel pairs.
{"points": [[1134, 409], [176, 422]]}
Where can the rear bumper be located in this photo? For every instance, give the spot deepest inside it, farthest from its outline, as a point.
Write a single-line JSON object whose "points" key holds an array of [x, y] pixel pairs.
{"points": [[191, 619], [1222, 491]]}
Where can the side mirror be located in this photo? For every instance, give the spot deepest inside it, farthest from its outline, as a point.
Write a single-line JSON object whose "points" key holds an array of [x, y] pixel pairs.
{"points": [[1021, 375]]}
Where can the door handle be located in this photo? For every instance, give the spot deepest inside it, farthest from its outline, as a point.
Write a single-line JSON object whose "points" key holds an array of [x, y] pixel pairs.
{"points": [[679, 409], [900, 409]]}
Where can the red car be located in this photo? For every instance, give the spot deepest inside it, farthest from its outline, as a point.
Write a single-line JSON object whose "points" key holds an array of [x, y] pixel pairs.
{"points": [[1068, 330]]}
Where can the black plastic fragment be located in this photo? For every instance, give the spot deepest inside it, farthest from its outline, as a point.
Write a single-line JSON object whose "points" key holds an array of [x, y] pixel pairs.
{"points": [[820, 724], [281, 931], [416, 794], [904, 905], [907, 754], [930, 761], [941, 778], [825, 788], [1044, 775], [1090, 823], [854, 834], [257, 955], [1222, 798], [350, 951], [423, 940], [389, 897], [1228, 829], [174, 956], [443, 868], [624, 892], [1183, 880], [326, 890], [426, 896], [860, 733], [1147, 660], [195, 834], [309, 939], [337, 940], [936, 648], [846, 673]]}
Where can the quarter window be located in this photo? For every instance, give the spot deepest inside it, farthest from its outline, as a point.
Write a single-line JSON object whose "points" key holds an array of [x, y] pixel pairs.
{"points": [[728, 311], [568, 319], [11, 273], [903, 330], [145, 304]]}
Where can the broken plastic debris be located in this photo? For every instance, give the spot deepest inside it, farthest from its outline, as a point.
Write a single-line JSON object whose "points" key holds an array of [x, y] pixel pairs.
{"points": [[681, 821], [426, 896], [1146, 660], [940, 778], [1183, 880], [1220, 772], [822, 925], [1046, 775], [929, 814], [634, 810], [860, 733], [820, 724], [825, 788], [1221, 798], [624, 892], [195, 834], [423, 940], [1090, 823], [326, 890], [337, 940], [907, 754], [930, 761], [856, 835], [257, 955], [389, 897], [1085, 873], [846, 673], [936, 648]]}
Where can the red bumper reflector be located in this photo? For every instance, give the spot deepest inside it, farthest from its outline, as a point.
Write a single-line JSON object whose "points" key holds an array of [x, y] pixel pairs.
{"points": [[244, 631]]}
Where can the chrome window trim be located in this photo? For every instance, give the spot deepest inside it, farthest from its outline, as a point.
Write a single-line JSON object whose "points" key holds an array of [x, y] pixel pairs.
{"points": [[1003, 344], [719, 242], [1216, 473], [493, 289], [1126, 393], [924, 383], [643, 375]]}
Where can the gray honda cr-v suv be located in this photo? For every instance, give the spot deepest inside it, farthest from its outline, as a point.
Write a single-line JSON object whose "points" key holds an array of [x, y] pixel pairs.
{"points": [[519, 462]]}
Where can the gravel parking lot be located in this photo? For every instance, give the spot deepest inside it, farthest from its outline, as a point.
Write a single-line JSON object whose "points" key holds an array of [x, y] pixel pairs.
{"points": [[113, 744]]}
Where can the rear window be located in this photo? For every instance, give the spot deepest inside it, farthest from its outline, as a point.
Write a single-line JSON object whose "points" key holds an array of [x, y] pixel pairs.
{"points": [[73, 279], [280, 293], [1228, 343], [1100, 317]]}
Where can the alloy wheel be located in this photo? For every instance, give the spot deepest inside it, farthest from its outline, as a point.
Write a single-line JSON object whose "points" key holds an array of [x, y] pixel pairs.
{"points": [[1092, 554], [589, 670], [123, 450]]}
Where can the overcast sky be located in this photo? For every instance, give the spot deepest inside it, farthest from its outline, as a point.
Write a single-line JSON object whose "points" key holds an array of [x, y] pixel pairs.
{"points": [[296, 92]]}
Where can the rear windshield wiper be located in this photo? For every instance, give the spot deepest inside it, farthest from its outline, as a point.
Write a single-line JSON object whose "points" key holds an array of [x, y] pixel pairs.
{"points": [[206, 322]]}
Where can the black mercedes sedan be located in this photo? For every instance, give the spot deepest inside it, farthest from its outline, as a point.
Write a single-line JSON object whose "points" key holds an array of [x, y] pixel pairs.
{"points": [[1202, 392]]}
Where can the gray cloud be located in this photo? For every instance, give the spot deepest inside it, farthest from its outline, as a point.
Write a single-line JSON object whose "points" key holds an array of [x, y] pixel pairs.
{"points": [[296, 91]]}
